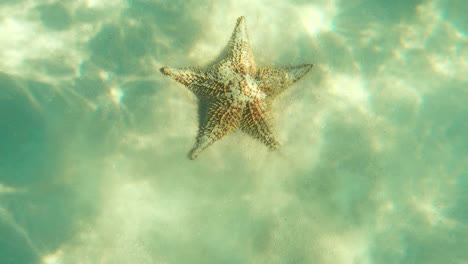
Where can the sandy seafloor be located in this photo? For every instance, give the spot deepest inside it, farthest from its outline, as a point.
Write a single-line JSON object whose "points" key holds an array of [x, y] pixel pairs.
{"points": [[94, 139]]}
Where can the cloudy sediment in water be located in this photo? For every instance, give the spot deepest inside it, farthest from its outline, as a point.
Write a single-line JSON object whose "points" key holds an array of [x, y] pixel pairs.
{"points": [[94, 139]]}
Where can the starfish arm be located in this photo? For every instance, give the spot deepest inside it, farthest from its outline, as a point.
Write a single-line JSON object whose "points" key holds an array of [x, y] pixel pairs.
{"points": [[275, 80], [239, 50], [223, 118], [201, 83], [255, 123]]}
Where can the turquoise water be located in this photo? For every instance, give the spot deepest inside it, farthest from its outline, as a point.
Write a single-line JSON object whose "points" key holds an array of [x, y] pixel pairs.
{"points": [[94, 139]]}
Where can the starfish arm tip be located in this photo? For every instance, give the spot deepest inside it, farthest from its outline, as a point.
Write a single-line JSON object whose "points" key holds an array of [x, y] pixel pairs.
{"points": [[274, 145], [307, 67], [192, 155], [165, 70], [241, 19], [297, 72]]}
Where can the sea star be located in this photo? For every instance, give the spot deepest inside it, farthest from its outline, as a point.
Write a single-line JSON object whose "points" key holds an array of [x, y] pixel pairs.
{"points": [[235, 93]]}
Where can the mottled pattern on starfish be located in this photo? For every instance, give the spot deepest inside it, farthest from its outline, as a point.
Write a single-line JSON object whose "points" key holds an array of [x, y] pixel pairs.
{"points": [[236, 93]]}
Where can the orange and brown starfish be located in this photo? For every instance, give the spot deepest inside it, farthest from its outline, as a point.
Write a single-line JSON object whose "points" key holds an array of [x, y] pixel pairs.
{"points": [[235, 92]]}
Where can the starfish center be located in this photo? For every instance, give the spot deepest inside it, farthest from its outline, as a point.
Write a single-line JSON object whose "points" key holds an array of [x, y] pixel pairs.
{"points": [[244, 90]]}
